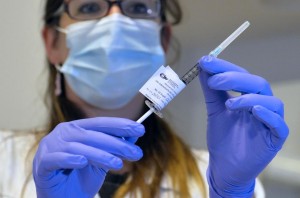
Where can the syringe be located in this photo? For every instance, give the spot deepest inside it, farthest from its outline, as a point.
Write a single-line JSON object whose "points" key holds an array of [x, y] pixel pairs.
{"points": [[194, 71]]}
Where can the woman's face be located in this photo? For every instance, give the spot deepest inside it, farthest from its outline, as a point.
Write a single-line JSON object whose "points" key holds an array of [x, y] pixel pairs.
{"points": [[57, 52]]}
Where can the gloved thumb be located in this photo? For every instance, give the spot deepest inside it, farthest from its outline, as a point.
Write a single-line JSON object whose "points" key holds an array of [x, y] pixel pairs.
{"points": [[214, 99]]}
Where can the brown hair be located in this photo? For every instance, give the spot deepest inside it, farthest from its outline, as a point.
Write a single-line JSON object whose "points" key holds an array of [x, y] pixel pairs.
{"points": [[164, 151]]}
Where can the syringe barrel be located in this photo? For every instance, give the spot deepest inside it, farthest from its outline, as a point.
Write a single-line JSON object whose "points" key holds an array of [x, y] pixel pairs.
{"points": [[191, 74]]}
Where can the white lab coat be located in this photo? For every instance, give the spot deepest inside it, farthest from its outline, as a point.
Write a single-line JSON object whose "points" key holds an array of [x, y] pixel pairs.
{"points": [[13, 171]]}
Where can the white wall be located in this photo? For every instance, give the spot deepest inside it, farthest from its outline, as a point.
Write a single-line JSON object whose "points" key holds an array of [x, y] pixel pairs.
{"points": [[21, 63], [270, 47]]}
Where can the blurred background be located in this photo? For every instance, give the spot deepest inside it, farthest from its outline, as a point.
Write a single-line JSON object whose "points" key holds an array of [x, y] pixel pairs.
{"points": [[270, 47]]}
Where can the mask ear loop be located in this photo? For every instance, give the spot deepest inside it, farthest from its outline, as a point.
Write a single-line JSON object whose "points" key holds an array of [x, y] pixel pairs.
{"points": [[59, 82]]}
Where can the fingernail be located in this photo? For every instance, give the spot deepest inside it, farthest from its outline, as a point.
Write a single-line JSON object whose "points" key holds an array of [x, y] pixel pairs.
{"points": [[139, 128], [83, 160], [257, 107], [207, 58], [229, 103], [117, 163], [138, 153]]}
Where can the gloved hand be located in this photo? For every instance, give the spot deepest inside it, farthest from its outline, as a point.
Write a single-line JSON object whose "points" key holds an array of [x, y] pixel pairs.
{"points": [[244, 133], [73, 159]]}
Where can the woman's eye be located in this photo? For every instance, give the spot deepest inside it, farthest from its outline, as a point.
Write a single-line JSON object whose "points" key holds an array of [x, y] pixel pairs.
{"points": [[138, 8], [89, 8]]}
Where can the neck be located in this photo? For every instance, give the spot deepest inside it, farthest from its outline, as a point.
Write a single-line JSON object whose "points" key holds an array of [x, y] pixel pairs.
{"points": [[130, 111]]}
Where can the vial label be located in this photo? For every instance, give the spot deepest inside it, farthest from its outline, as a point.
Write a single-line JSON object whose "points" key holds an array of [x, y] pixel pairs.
{"points": [[162, 87]]}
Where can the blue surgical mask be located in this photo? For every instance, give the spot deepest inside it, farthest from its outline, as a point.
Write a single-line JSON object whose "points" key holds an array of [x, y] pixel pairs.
{"points": [[110, 59]]}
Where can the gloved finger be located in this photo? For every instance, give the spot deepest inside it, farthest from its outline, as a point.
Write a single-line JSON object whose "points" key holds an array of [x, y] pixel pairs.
{"points": [[214, 65], [132, 139], [247, 101], [215, 100], [114, 126], [275, 123], [103, 158], [240, 82], [102, 141], [59, 160]]}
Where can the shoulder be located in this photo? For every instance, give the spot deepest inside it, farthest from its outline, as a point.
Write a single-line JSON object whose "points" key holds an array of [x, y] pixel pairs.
{"points": [[15, 160], [201, 156], [202, 159], [15, 134], [15, 142], [15, 145]]}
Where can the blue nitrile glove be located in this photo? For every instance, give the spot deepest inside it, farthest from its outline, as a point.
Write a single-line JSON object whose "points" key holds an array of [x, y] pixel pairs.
{"points": [[73, 159], [244, 133]]}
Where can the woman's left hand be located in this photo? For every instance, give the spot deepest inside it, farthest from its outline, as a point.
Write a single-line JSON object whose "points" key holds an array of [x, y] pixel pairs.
{"points": [[244, 133]]}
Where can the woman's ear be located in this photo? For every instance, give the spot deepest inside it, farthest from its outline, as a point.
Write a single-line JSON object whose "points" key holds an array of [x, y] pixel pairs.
{"points": [[166, 33], [51, 39]]}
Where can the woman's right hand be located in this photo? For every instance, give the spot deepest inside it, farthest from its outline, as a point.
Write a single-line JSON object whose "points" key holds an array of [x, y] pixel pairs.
{"points": [[73, 159]]}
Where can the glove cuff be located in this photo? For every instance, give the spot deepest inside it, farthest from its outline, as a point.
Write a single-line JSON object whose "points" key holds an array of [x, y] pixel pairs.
{"points": [[233, 191]]}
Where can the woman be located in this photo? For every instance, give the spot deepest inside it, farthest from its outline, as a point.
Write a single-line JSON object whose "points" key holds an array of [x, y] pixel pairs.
{"points": [[100, 53]]}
